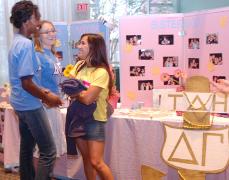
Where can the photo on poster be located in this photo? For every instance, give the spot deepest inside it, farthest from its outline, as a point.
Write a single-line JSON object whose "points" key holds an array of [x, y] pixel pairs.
{"points": [[75, 44], [170, 61], [166, 39], [144, 85], [172, 81], [59, 55], [212, 38], [216, 78], [193, 63], [75, 58], [216, 58], [146, 54], [194, 43], [137, 70], [133, 40]]}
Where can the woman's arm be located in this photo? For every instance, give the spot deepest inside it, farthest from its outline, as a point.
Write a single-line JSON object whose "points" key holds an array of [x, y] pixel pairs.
{"points": [[88, 96]]}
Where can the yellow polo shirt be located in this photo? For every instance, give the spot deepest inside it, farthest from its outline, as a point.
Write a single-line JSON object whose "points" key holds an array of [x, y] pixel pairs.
{"points": [[99, 77]]}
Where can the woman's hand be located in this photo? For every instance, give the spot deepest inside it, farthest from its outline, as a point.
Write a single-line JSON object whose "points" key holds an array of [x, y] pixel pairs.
{"points": [[88, 96]]}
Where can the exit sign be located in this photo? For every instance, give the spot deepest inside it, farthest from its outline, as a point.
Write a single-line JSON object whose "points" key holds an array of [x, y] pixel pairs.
{"points": [[82, 7]]}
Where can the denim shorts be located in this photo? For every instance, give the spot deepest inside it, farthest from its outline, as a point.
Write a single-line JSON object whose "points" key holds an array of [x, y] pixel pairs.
{"points": [[95, 130]]}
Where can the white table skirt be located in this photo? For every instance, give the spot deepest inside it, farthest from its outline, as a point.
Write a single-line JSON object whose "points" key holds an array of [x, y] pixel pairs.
{"points": [[66, 167], [131, 141]]}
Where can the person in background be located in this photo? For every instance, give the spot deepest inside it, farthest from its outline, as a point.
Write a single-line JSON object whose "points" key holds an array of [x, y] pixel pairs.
{"points": [[95, 74], [51, 71], [165, 41], [27, 95], [193, 63]]}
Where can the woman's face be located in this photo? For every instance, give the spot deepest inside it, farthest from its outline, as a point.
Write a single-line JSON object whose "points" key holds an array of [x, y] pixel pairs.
{"points": [[47, 35], [33, 23], [83, 47]]}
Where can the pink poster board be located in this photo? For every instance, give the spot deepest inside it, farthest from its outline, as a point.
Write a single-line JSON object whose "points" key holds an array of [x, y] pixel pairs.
{"points": [[157, 50]]}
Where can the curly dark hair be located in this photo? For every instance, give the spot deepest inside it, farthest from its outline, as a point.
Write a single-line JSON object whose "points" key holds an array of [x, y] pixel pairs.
{"points": [[22, 11]]}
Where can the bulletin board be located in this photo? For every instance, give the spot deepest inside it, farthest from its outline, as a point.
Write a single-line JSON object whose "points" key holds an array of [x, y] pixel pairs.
{"points": [[62, 44], [159, 51], [81, 27], [68, 34]]}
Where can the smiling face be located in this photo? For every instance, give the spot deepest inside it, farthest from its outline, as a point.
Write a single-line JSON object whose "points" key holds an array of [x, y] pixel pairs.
{"points": [[47, 35], [84, 48]]}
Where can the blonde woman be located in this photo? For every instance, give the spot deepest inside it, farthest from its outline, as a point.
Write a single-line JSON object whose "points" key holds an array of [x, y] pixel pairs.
{"points": [[50, 78]]}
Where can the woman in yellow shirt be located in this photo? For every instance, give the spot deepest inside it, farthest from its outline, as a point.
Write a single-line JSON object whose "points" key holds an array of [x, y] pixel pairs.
{"points": [[93, 71]]}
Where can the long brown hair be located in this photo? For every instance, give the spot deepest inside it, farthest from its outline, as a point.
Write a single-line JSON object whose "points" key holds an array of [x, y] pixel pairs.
{"points": [[98, 54], [37, 43]]}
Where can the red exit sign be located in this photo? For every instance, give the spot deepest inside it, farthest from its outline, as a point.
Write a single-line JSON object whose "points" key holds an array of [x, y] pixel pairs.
{"points": [[82, 7]]}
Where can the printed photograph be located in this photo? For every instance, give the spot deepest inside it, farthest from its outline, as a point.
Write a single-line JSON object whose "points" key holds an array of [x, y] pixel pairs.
{"points": [[144, 85], [170, 61], [137, 70], [217, 78], [166, 39], [216, 58], [59, 55], [193, 63], [212, 38], [146, 54], [172, 80], [75, 44], [194, 43], [133, 40]]}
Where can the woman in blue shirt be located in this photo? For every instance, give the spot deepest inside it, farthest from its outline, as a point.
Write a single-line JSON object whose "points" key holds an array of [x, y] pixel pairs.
{"points": [[50, 78], [26, 95]]}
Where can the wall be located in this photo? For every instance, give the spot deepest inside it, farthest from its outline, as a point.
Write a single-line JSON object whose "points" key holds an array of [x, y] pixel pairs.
{"points": [[197, 5]]}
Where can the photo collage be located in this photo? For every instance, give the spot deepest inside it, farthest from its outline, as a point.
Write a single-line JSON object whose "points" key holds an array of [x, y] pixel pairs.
{"points": [[171, 61], [148, 54], [167, 50], [215, 59]]}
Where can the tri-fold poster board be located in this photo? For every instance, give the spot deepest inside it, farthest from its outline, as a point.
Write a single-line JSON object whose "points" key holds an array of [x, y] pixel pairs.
{"points": [[159, 51]]}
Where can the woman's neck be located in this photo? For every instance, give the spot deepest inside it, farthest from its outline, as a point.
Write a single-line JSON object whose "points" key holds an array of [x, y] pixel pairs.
{"points": [[88, 63], [24, 32], [47, 47]]}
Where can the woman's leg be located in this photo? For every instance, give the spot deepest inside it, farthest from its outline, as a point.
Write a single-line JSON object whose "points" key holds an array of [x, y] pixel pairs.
{"points": [[95, 153], [27, 145], [40, 129], [34, 127], [90, 172]]}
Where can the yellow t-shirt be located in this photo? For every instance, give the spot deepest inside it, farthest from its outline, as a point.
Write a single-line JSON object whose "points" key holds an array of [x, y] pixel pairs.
{"points": [[99, 77]]}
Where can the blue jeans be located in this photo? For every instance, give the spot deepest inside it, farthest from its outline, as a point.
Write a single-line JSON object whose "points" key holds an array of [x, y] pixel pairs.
{"points": [[95, 130], [35, 129]]}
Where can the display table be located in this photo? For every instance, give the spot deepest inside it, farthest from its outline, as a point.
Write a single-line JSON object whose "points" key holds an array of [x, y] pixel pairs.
{"points": [[133, 138]]}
